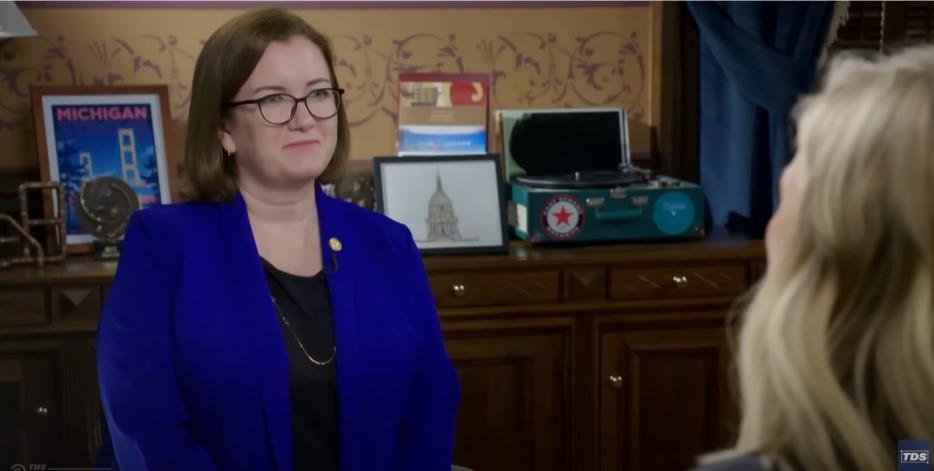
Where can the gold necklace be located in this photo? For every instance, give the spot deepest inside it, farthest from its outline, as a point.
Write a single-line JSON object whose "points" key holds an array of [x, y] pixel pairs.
{"points": [[286, 321]]}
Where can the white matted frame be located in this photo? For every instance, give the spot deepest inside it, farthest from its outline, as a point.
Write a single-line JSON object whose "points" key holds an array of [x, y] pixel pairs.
{"points": [[451, 204]]}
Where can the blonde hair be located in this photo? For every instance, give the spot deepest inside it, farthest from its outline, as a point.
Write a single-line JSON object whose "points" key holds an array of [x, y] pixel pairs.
{"points": [[835, 357]]}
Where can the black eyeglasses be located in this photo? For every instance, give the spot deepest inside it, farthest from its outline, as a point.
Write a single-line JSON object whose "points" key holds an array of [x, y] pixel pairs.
{"points": [[280, 108]]}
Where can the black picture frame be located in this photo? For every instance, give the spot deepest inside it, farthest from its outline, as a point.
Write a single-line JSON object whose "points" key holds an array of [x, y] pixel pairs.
{"points": [[410, 179]]}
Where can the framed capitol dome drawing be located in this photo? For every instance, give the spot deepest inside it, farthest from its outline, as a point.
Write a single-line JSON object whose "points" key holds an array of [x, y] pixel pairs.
{"points": [[452, 204]]}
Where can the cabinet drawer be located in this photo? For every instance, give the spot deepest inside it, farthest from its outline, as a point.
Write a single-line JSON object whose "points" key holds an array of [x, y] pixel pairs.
{"points": [[23, 307], [678, 282], [477, 289], [76, 302]]}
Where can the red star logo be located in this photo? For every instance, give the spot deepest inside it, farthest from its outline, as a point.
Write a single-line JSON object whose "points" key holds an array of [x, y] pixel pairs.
{"points": [[563, 216]]}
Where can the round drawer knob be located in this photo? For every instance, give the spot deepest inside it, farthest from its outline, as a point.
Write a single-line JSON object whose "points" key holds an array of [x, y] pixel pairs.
{"points": [[680, 281], [616, 381], [41, 411], [458, 290]]}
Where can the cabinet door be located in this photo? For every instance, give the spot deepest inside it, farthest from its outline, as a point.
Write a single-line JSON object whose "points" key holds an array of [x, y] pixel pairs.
{"points": [[514, 406], [663, 398], [81, 418], [28, 409]]}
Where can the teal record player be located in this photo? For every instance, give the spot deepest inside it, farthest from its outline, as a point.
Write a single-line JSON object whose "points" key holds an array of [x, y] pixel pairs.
{"points": [[570, 179], [605, 206]]}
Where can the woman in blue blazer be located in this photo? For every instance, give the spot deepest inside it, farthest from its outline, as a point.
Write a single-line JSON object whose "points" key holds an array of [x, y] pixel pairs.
{"points": [[263, 325]]}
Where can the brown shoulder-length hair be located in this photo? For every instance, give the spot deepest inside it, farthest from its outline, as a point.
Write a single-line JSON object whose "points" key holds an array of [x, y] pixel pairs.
{"points": [[224, 65]]}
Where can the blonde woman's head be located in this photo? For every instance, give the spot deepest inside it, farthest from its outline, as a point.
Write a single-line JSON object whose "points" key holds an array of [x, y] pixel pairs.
{"points": [[836, 351]]}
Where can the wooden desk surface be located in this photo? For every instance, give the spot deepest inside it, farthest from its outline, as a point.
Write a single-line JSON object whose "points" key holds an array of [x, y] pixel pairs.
{"points": [[720, 245]]}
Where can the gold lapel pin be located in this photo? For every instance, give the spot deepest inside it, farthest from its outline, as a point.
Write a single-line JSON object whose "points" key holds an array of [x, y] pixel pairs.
{"points": [[335, 244]]}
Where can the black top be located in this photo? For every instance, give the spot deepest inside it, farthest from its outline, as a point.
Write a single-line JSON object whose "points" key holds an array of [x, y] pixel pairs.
{"points": [[305, 303], [740, 463]]}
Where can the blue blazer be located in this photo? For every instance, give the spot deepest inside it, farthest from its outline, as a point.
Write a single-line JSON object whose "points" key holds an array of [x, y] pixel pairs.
{"points": [[192, 363]]}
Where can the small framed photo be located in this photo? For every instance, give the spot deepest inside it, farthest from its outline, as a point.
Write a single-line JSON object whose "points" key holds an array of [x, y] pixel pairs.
{"points": [[451, 204], [443, 114], [85, 132]]}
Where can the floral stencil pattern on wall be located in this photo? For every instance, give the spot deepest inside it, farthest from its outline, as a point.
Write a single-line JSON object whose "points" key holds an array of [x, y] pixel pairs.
{"points": [[528, 69]]}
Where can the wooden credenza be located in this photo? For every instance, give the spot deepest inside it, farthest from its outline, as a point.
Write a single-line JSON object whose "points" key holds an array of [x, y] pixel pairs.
{"points": [[570, 358]]}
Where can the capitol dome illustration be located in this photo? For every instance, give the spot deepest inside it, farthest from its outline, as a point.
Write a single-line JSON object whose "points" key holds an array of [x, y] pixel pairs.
{"points": [[442, 223]]}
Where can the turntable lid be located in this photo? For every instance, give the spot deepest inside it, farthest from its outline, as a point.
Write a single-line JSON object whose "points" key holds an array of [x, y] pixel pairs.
{"points": [[561, 142]]}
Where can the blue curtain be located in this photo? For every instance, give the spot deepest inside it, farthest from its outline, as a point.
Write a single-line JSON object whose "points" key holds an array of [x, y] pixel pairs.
{"points": [[756, 59]]}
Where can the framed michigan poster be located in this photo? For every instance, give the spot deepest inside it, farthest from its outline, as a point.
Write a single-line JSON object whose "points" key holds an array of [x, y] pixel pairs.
{"points": [[85, 133]]}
